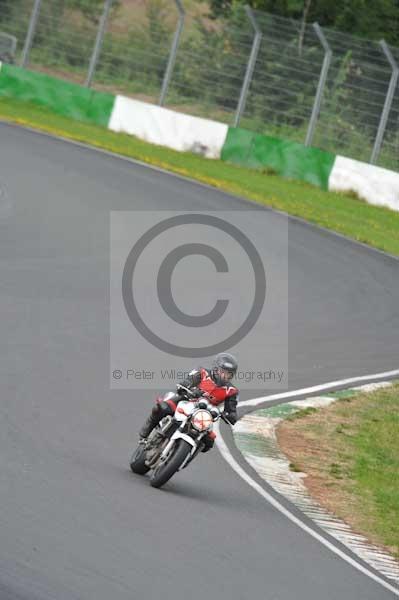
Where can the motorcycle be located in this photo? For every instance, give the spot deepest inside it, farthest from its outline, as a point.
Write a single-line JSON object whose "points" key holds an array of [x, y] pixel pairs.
{"points": [[177, 440]]}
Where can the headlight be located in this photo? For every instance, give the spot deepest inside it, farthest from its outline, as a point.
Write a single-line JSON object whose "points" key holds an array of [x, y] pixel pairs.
{"points": [[202, 420]]}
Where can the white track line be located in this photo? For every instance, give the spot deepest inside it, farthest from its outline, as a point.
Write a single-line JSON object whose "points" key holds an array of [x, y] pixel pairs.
{"points": [[319, 388], [225, 452]]}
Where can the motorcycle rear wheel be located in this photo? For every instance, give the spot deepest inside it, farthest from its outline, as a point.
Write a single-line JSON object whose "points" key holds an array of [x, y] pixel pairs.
{"points": [[164, 472], [137, 462]]}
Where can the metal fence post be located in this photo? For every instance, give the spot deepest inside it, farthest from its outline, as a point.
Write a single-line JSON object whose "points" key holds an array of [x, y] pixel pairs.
{"points": [[250, 65], [31, 32], [321, 85], [387, 104], [98, 43], [172, 55]]}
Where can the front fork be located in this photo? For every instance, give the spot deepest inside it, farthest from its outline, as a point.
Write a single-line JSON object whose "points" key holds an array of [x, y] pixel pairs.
{"points": [[179, 434]]}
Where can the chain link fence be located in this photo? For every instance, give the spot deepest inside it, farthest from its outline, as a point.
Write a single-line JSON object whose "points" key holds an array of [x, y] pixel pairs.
{"points": [[268, 74]]}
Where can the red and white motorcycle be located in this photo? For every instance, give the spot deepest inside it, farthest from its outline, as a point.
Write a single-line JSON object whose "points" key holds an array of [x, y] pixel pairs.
{"points": [[177, 440]]}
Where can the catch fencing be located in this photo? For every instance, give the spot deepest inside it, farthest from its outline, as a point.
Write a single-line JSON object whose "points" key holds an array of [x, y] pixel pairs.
{"points": [[265, 73]]}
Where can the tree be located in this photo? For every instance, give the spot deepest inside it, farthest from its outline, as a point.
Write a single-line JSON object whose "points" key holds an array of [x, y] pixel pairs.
{"points": [[374, 20], [91, 9], [8, 9]]}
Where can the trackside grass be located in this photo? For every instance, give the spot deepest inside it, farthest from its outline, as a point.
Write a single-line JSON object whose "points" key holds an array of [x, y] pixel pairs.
{"points": [[350, 453], [376, 226]]}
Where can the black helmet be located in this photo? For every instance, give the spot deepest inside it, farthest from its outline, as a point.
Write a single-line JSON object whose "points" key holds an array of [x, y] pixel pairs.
{"points": [[224, 368]]}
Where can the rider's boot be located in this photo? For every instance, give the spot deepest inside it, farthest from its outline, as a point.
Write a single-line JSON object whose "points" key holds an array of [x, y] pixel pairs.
{"points": [[148, 426], [159, 411]]}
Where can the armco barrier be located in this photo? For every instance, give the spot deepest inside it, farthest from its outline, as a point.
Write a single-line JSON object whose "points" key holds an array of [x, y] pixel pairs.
{"points": [[183, 132]]}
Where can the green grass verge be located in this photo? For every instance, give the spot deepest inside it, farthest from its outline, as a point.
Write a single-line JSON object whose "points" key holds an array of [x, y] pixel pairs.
{"points": [[376, 226], [375, 444], [350, 451]]}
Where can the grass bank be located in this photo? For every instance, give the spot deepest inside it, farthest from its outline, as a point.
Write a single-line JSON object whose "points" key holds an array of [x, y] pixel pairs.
{"points": [[376, 226], [350, 452]]}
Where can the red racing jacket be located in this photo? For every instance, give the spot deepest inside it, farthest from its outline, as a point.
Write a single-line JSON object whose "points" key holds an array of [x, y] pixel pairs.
{"points": [[201, 378]]}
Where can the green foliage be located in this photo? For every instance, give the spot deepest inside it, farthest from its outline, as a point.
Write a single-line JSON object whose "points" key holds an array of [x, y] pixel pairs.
{"points": [[90, 9], [335, 470], [294, 468], [211, 65], [139, 57], [301, 414], [207, 56], [373, 20], [9, 11]]}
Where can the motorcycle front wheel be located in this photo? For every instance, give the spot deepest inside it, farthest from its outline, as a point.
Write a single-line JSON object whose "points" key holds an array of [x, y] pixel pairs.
{"points": [[164, 472]]}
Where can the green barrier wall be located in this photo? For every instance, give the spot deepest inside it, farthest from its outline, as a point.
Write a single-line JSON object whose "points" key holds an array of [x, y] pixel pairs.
{"points": [[246, 148], [66, 99], [289, 159]]}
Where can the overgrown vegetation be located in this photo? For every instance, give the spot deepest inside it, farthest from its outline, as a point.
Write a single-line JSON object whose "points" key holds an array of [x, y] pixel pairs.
{"points": [[374, 20], [212, 60]]}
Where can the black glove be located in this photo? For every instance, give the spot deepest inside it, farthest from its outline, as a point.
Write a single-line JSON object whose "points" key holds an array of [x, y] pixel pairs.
{"points": [[208, 444], [194, 392], [230, 416]]}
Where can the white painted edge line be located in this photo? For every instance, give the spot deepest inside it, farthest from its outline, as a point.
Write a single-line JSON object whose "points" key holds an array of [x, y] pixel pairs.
{"points": [[318, 388], [274, 469], [204, 185], [225, 452]]}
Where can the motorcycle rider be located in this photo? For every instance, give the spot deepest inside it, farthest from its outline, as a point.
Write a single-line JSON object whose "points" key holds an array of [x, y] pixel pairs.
{"points": [[214, 383]]}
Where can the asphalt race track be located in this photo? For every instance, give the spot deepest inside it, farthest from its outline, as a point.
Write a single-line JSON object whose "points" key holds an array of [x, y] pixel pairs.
{"points": [[75, 523]]}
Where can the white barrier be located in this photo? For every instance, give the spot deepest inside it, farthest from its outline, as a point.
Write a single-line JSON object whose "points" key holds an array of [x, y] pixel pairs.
{"points": [[185, 133], [168, 128], [375, 185]]}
